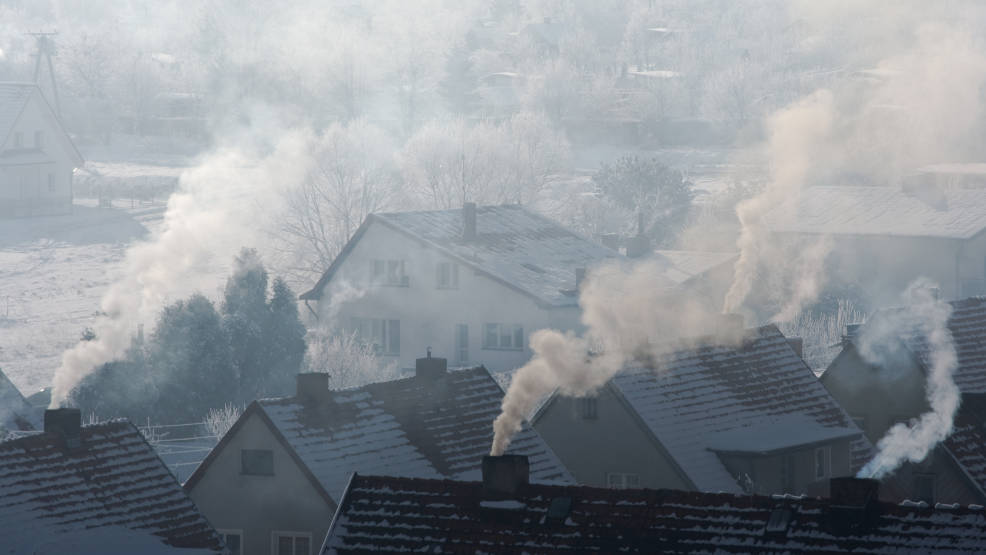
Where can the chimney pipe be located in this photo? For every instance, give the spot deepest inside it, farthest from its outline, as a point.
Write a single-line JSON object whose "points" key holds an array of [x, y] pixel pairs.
{"points": [[797, 345], [67, 423], [856, 493], [469, 221], [312, 387], [430, 368], [504, 475], [579, 278]]}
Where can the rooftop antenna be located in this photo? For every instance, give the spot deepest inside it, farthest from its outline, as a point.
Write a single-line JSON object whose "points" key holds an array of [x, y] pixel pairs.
{"points": [[45, 49]]}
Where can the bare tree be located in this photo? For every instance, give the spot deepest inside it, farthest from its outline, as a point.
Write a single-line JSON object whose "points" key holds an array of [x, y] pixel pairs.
{"points": [[348, 361]]}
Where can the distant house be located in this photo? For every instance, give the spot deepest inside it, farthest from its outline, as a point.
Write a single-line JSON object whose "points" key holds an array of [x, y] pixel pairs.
{"points": [[703, 275], [37, 156], [472, 282], [877, 396], [94, 489], [16, 414], [279, 473], [749, 418], [504, 514], [885, 237], [965, 175]]}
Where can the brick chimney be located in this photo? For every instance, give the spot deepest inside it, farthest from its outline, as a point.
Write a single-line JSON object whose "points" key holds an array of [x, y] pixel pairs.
{"points": [[856, 493], [429, 368], [504, 475], [313, 387], [469, 221], [66, 423]]}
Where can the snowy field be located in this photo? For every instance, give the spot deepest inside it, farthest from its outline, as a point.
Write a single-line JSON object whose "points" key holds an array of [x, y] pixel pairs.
{"points": [[53, 272]]}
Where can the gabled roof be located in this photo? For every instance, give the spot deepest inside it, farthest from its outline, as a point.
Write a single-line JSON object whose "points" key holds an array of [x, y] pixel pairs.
{"points": [[115, 479], [968, 327], [843, 210], [420, 427], [439, 516], [967, 443], [14, 98], [15, 412], [683, 266], [694, 398], [513, 245]]}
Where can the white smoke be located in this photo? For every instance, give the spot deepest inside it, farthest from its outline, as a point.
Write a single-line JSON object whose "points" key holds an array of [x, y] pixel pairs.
{"points": [[222, 205], [628, 312], [928, 316]]}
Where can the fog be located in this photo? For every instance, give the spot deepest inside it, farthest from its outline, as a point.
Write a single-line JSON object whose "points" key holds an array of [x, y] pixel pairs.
{"points": [[287, 125]]}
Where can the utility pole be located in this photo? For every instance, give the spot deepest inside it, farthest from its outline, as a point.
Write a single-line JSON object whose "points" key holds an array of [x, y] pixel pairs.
{"points": [[46, 48]]}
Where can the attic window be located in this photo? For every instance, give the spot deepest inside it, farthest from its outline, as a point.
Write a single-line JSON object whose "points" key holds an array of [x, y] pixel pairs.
{"points": [[779, 520], [533, 268]]}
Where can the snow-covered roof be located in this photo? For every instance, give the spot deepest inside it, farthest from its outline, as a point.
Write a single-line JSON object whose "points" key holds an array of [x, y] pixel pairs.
{"points": [[390, 514], [513, 245], [685, 265], [843, 210], [694, 397], [13, 98], [967, 442], [422, 426], [113, 479], [15, 412]]}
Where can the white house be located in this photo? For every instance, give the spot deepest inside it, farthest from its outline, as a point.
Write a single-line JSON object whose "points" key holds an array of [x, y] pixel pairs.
{"points": [[37, 157], [473, 282]]}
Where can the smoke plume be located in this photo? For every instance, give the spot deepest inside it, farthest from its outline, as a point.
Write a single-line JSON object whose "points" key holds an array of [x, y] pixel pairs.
{"points": [[628, 313], [928, 316]]}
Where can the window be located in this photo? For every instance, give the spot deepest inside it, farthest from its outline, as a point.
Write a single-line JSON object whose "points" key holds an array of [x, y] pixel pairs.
{"points": [[39, 139], [257, 462], [503, 336], [823, 459], [448, 275], [924, 488], [389, 272], [291, 543], [233, 540], [462, 343], [622, 480], [383, 335], [588, 408], [51, 183]]}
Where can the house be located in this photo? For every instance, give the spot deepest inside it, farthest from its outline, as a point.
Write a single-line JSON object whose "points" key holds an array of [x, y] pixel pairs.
{"points": [[885, 237], [739, 418], [504, 513], [500, 271], [966, 175], [279, 473], [877, 396], [37, 156], [16, 414], [73, 488], [702, 275]]}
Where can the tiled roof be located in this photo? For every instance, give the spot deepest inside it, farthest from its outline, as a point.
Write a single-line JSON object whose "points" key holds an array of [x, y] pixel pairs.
{"points": [[967, 444], [968, 326], [418, 427], [436, 516], [696, 397], [115, 479], [513, 245], [13, 97], [957, 213]]}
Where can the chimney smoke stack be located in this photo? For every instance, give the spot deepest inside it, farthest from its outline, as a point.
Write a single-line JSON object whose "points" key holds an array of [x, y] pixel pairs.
{"points": [[852, 492], [504, 475], [312, 387], [67, 423], [430, 367], [469, 221]]}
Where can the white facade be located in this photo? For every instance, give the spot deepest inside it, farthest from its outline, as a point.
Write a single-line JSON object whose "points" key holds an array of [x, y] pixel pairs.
{"points": [[36, 157], [436, 301]]}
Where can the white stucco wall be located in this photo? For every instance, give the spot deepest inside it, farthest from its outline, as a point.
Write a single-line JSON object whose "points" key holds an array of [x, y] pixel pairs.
{"points": [[429, 315]]}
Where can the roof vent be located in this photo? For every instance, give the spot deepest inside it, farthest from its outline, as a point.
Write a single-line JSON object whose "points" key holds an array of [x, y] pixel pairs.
{"points": [[312, 387], [67, 423], [469, 221], [504, 475], [430, 368]]}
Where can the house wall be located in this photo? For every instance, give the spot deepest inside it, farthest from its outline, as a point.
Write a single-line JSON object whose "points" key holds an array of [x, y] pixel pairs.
{"points": [[950, 484], [766, 473], [24, 173], [429, 315], [259, 505], [612, 442]]}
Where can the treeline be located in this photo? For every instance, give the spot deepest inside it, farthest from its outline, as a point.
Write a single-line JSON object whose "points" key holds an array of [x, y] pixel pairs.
{"points": [[200, 357]]}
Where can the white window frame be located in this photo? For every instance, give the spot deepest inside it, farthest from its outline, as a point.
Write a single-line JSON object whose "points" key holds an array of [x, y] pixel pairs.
{"points": [[231, 532], [447, 275], [381, 344], [392, 272], [622, 480], [515, 331], [826, 451], [275, 534]]}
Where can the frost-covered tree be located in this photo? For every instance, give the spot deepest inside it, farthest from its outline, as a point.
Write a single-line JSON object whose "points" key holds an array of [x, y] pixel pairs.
{"points": [[349, 361]]}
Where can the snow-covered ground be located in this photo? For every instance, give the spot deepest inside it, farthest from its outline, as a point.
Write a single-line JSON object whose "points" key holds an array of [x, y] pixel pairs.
{"points": [[53, 272]]}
